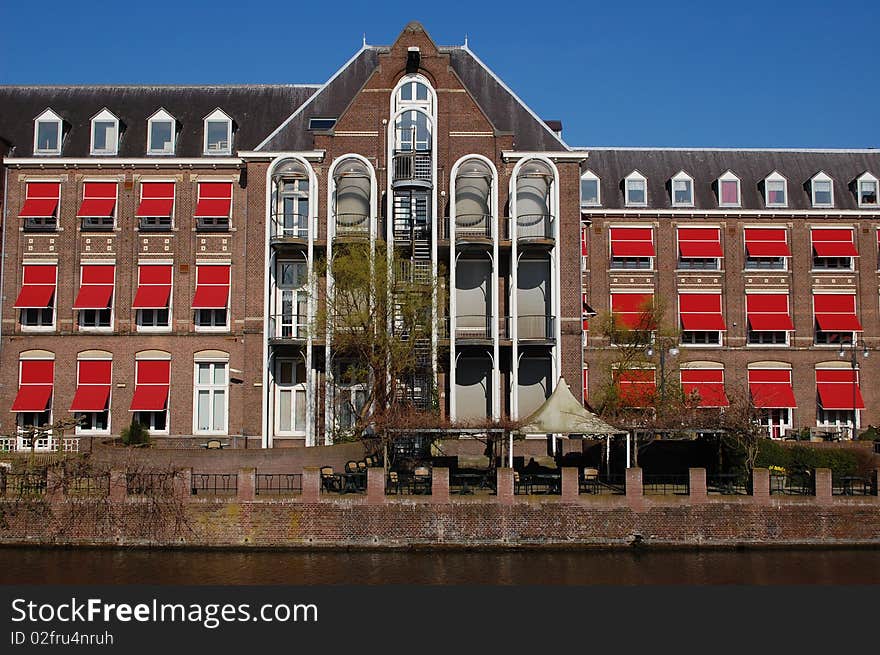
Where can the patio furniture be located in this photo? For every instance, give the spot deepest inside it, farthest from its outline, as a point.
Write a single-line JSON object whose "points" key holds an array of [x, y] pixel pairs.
{"points": [[351, 466], [329, 480], [392, 482], [362, 467], [590, 481], [422, 480], [519, 486]]}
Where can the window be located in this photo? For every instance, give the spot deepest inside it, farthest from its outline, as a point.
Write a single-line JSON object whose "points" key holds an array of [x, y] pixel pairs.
{"points": [[766, 249], [835, 318], [98, 208], [161, 133], [772, 395], [290, 396], [822, 188], [701, 320], [291, 218], [839, 398], [636, 190], [214, 206], [91, 403], [590, 193], [729, 190], [40, 208], [775, 190], [95, 297], [153, 298], [211, 391], [632, 248], [322, 123], [769, 320], [833, 248], [291, 299], [866, 188], [350, 394], [633, 317], [153, 421], [705, 381], [413, 91], [156, 208], [218, 133], [105, 133], [636, 387], [211, 299], [151, 389], [47, 133], [682, 190], [699, 248], [33, 402], [36, 300]]}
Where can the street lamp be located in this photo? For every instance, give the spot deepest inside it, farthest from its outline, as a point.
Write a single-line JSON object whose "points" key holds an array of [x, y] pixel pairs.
{"points": [[854, 362], [663, 351]]}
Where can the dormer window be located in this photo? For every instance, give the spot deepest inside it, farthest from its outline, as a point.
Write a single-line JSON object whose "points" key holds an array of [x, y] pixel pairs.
{"points": [[822, 190], [47, 134], [105, 133], [590, 195], [729, 190], [636, 190], [866, 188], [775, 190], [682, 190], [161, 133], [218, 133]]}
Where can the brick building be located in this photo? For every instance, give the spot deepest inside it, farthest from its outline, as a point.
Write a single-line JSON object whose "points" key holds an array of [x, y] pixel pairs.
{"points": [[171, 235]]}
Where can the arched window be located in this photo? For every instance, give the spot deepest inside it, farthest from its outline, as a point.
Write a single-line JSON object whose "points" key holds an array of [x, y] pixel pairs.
{"points": [[473, 199], [351, 201], [290, 216], [414, 91]]}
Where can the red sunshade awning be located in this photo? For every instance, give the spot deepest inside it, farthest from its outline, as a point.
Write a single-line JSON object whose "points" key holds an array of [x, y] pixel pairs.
{"points": [[91, 398], [766, 242], [96, 290], [157, 200], [38, 287], [149, 398], [834, 243], [701, 311], [41, 200], [632, 242], [700, 242], [839, 389], [768, 312], [99, 199], [154, 287], [636, 387], [215, 199], [212, 287], [707, 383], [32, 398], [633, 310], [836, 312], [772, 395]]}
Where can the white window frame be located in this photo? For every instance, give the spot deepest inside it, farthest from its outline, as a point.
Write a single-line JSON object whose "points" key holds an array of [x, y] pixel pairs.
{"points": [[152, 328], [821, 176], [635, 176], [82, 219], [775, 176], [140, 198], [295, 388], [161, 116], [729, 176], [211, 388], [103, 328], [214, 328], [41, 328], [681, 176], [79, 430], [590, 175], [152, 414], [46, 117], [217, 116], [787, 333], [104, 116], [852, 260], [867, 177]]}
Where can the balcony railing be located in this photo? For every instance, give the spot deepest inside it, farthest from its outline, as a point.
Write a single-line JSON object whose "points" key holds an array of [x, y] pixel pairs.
{"points": [[534, 226], [473, 226], [288, 327], [473, 326], [412, 166], [355, 225], [417, 271], [289, 226], [536, 327]]}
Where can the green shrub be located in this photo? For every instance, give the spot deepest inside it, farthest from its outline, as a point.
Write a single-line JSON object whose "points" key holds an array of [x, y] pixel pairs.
{"points": [[135, 434], [871, 433], [797, 459]]}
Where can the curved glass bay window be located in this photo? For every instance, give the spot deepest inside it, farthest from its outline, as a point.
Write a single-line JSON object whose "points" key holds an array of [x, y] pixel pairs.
{"points": [[534, 219], [290, 213], [473, 211], [351, 202]]}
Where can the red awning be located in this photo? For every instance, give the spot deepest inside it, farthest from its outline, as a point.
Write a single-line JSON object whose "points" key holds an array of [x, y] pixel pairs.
{"points": [[839, 389], [212, 287], [771, 388], [157, 200], [700, 242], [96, 290], [152, 380], [834, 243], [768, 312], [766, 242], [215, 199], [41, 200], [633, 310], [99, 199], [584, 231], [91, 398], [35, 387], [707, 383], [701, 311], [836, 312], [37, 288], [636, 387], [154, 287], [632, 242]]}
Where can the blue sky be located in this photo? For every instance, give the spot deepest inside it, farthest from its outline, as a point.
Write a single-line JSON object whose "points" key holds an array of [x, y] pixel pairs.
{"points": [[764, 74]]}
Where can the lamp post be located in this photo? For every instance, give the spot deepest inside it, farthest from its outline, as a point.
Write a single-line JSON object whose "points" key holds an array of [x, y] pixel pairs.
{"points": [[854, 362], [662, 352]]}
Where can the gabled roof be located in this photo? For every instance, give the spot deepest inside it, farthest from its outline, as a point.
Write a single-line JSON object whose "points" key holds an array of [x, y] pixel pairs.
{"points": [[256, 110]]}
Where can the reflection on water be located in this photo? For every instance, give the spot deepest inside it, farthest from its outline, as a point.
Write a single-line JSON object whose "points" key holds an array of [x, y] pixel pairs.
{"points": [[94, 566]]}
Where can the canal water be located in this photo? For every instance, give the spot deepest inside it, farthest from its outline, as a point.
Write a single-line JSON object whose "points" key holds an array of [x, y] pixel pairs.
{"points": [[584, 567]]}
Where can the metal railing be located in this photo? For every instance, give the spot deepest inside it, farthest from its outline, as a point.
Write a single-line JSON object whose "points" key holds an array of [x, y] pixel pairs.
{"points": [[410, 165], [472, 226], [354, 225], [288, 326], [476, 326], [214, 483], [852, 485], [16, 485], [536, 327], [667, 484], [534, 226], [793, 485], [729, 484], [87, 485], [278, 483], [289, 226], [417, 271], [150, 484]]}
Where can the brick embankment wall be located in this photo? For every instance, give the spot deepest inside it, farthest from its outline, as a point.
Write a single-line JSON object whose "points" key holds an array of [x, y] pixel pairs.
{"points": [[373, 520]]}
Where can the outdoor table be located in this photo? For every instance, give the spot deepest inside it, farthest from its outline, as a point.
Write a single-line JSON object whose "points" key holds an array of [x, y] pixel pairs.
{"points": [[551, 480], [350, 482], [476, 479], [849, 482]]}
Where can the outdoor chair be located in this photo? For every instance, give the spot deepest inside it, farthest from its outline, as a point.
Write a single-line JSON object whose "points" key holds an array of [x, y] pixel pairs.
{"points": [[421, 480], [351, 466], [518, 484], [590, 480], [392, 483], [329, 481], [362, 466]]}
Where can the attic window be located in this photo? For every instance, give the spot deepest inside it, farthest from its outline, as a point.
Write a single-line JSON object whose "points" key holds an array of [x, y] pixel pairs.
{"points": [[590, 190], [682, 190], [867, 190], [728, 190], [636, 188], [105, 133], [218, 133], [776, 190], [321, 123], [160, 134], [823, 191], [47, 134]]}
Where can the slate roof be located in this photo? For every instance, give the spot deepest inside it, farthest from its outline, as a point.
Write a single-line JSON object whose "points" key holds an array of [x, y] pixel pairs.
{"points": [[612, 165], [255, 109]]}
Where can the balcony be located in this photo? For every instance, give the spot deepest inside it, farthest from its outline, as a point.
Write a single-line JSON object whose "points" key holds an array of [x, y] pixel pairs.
{"points": [[535, 228], [284, 227], [473, 228], [473, 327], [288, 328], [411, 167], [353, 226], [536, 327]]}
